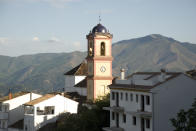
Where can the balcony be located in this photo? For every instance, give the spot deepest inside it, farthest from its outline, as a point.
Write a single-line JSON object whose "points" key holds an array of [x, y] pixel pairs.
{"points": [[114, 109], [113, 129], [140, 113], [3, 115]]}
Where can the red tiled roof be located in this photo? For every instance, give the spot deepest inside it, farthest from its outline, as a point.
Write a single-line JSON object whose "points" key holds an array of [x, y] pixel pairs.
{"points": [[81, 69], [191, 73], [144, 87], [40, 99]]}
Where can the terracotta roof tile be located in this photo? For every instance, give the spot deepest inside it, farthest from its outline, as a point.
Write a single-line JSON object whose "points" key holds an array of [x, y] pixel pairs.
{"points": [[81, 69], [40, 99], [192, 73], [144, 87]]}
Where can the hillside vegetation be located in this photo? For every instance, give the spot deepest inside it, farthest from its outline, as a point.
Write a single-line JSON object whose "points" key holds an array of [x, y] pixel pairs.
{"points": [[44, 72]]}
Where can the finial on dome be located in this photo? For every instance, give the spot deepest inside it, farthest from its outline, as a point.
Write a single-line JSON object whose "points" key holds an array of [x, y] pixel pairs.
{"points": [[99, 19]]}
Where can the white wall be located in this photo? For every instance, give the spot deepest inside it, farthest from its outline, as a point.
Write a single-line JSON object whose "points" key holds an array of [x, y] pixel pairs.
{"points": [[61, 105], [70, 81], [128, 126], [130, 106], [16, 111], [169, 98]]}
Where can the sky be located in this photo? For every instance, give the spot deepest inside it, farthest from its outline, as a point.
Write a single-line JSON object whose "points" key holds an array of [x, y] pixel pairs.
{"points": [[53, 26]]}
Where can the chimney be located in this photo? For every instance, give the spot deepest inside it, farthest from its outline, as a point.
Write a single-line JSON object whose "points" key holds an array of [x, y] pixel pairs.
{"points": [[10, 94], [163, 75], [30, 96], [122, 74]]}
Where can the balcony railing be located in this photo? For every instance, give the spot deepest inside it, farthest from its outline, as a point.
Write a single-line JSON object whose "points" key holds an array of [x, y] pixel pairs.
{"points": [[114, 109], [3, 115], [140, 113]]}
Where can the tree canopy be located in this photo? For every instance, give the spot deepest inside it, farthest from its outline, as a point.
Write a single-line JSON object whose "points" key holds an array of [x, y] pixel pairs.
{"points": [[186, 120], [87, 119]]}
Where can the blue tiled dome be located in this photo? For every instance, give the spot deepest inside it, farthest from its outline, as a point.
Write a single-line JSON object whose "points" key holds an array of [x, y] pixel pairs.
{"points": [[99, 29]]}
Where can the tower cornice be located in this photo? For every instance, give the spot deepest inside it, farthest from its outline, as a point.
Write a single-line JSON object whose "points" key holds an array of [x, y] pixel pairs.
{"points": [[97, 35], [104, 58], [100, 77]]}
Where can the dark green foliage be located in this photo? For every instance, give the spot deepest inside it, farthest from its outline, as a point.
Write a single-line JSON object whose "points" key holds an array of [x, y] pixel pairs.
{"points": [[186, 120], [87, 119]]}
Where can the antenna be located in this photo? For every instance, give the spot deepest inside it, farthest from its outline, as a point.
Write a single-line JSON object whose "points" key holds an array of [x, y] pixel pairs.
{"points": [[99, 18]]}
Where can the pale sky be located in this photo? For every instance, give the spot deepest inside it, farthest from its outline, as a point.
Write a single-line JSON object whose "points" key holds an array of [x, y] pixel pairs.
{"points": [[40, 26]]}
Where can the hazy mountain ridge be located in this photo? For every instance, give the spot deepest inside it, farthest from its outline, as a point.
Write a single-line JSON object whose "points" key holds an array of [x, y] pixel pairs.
{"points": [[44, 72]]}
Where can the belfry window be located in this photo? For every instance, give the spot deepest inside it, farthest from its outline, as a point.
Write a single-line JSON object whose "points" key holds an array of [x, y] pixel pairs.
{"points": [[90, 49], [102, 49]]}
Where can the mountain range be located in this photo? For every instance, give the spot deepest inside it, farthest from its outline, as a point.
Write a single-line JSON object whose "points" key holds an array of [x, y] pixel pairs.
{"points": [[44, 72]]}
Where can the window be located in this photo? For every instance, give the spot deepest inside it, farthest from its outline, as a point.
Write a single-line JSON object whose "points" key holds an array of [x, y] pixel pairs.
{"points": [[147, 123], [124, 118], [147, 100], [49, 110], [134, 120], [113, 97], [6, 108], [137, 98], [126, 96], [3, 124], [131, 97], [102, 49], [26, 128], [90, 48], [113, 115], [0, 107], [121, 96]]}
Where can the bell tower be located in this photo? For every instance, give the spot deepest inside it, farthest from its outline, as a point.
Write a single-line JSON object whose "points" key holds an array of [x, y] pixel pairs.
{"points": [[99, 62]]}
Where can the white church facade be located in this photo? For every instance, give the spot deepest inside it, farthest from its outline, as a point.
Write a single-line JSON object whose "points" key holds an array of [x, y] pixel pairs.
{"points": [[91, 78]]}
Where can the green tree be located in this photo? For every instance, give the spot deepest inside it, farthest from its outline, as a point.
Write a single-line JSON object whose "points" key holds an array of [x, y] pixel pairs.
{"points": [[186, 120], [87, 119]]}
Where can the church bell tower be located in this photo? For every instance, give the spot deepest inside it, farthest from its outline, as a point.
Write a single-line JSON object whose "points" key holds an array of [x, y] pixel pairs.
{"points": [[99, 62]]}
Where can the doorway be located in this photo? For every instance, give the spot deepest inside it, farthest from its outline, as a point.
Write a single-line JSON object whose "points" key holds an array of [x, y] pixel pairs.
{"points": [[117, 120], [142, 103], [117, 99], [142, 124]]}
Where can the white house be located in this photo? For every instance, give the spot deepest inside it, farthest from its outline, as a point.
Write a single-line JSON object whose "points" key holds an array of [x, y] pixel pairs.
{"points": [[11, 109], [146, 101], [46, 109], [75, 79]]}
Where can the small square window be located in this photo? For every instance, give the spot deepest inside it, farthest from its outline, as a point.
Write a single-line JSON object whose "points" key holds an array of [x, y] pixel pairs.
{"points": [[113, 115], [131, 97], [113, 95], [121, 96], [148, 123], [124, 118], [126, 96], [134, 120], [147, 100], [137, 98]]}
